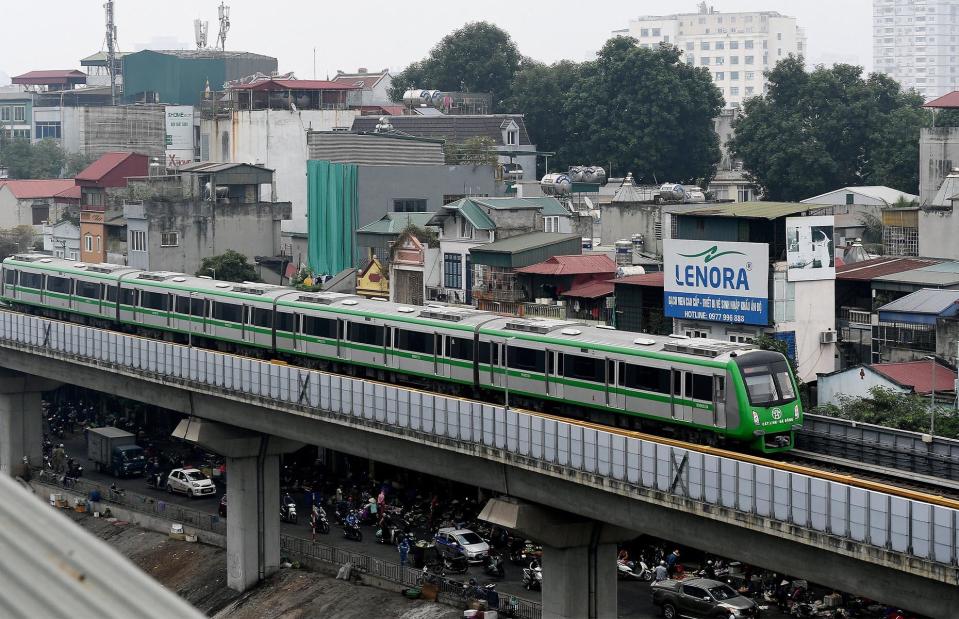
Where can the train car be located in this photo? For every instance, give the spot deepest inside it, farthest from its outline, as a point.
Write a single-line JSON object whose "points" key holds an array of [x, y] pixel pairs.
{"points": [[705, 390]]}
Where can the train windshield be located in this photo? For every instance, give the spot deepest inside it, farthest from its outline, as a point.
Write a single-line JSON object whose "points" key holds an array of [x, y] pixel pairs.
{"points": [[768, 384]]}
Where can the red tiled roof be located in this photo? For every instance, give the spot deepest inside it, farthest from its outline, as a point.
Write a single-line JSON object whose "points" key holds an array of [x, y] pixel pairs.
{"points": [[868, 270], [571, 265], [945, 101], [918, 375], [592, 290], [71, 193], [102, 166], [51, 77], [647, 279], [39, 188], [296, 85]]}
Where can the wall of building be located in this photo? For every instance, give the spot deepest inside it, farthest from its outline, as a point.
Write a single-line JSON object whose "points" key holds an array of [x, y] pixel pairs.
{"points": [[938, 155], [96, 130], [947, 340], [619, 221], [276, 139], [853, 384], [815, 312], [938, 229]]}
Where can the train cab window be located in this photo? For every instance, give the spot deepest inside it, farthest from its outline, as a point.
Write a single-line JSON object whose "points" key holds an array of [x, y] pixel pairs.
{"points": [[365, 334], [460, 348], [183, 305], [111, 294], [527, 359], [31, 280], [643, 377], [285, 322], [58, 284], [720, 383], [414, 341], [10, 276], [89, 290], [702, 388], [584, 368], [154, 300], [262, 317], [318, 327], [127, 296], [228, 312]]}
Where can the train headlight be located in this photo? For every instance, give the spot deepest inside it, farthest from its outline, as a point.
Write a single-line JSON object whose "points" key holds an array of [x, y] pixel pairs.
{"points": [[796, 410]]}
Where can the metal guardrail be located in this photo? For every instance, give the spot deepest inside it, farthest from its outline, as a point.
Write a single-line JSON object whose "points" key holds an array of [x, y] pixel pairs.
{"points": [[292, 547], [637, 466], [881, 446]]}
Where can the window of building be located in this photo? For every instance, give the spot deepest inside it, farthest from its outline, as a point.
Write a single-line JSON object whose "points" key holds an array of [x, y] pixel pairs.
{"points": [[19, 113], [169, 239], [744, 194], [734, 75], [409, 205], [719, 75], [511, 138], [453, 271], [5, 113], [784, 299], [689, 60], [644, 32], [741, 338], [696, 333], [719, 60], [690, 46], [749, 90], [748, 60], [720, 45], [734, 45], [850, 198], [466, 229], [749, 75], [88, 242], [779, 36], [98, 242], [704, 61], [41, 213], [656, 32], [138, 240], [748, 44], [48, 129], [704, 45], [551, 224], [19, 134], [734, 60]]}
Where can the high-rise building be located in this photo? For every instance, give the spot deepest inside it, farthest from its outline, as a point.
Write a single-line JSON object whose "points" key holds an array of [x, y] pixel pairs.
{"points": [[736, 47], [914, 42]]}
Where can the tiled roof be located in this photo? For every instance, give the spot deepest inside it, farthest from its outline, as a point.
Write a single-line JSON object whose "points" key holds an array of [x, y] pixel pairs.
{"points": [[877, 192], [71, 193], [452, 128], [38, 188], [296, 85], [750, 210], [592, 290], [103, 166], [51, 77], [647, 279], [870, 269], [363, 80], [572, 265], [524, 242], [948, 100], [394, 223], [918, 375]]}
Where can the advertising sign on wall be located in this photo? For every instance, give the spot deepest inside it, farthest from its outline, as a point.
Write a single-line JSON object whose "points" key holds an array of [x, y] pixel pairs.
{"points": [[179, 135], [716, 281], [810, 252]]}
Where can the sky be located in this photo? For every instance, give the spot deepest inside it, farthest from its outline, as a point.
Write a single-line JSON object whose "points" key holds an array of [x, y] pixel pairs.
{"points": [[390, 36]]}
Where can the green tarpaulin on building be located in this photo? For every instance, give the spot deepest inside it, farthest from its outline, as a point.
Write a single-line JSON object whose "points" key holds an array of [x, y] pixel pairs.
{"points": [[331, 215]]}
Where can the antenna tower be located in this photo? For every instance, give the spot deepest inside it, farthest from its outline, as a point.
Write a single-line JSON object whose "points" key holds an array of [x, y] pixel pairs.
{"points": [[200, 30], [111, 41], [224, 12]]}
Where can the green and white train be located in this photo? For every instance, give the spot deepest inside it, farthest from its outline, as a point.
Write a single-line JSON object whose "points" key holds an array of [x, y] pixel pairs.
{"points": [[704, 390]]}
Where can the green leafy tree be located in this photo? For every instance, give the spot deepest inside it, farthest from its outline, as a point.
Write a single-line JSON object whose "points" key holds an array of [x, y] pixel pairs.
{"points": [[885, 407], [479, 57], [45, 159], [832, 127], [479, 150], [76, 163], [15, 240], [230, 266]]}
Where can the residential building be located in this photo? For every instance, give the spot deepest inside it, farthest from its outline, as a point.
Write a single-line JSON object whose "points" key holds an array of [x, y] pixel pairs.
{"points": [[908, 328], [507, 132], [374, 87], [546, 281], [854, 206], [16, 114], [33, 202], [938, 149], [737, 48], [936, 223], [413, 263], [51, 81], [99, 230], [266, 122], [915, 377], [914, 43], [730, 181], [638, 304], [62, 239], [204, 211], [591, 302], [97, 69], [376, 239]]}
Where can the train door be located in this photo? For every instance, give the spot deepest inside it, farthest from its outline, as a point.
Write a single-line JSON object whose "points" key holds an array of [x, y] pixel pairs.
{"points": [[614, 396], [719, 401], [682, 389], [247, 334], [10, 283], [441, 353], [342, 348]]}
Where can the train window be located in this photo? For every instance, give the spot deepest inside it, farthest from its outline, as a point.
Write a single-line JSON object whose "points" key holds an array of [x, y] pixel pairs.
{"points": [[527, 359], [126, 296], [720, 383], [228, 312], [58, 284], [461, 348], [183, 305], [584, 368], [285, 322], [643, 377], [414, 341], [90, 290], [492, 355], [688, 393], [154, 300], [31, 280], [366, 334], [702, 387], [319, 327], [10, 276], [111, 294], [262, 317], [199, 307]]}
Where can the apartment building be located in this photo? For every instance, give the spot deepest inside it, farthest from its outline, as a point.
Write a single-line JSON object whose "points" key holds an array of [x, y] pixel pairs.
{"points": [[914, 42], [736, 47]]}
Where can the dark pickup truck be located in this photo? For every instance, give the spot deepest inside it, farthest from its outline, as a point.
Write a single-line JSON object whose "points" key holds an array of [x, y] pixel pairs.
{"points": [[701, 598]]}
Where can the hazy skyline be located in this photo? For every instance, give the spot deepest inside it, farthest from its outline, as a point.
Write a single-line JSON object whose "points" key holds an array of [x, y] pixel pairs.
{"points": [[390, 36]]}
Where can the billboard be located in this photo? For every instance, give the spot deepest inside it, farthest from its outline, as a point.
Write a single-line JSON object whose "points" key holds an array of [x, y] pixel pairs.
{"points": [[179, 135], [810, 252], [717, 281]]}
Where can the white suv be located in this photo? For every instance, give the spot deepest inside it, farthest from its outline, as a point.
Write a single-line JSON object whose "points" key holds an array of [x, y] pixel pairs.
{"points": [[190, 482]]}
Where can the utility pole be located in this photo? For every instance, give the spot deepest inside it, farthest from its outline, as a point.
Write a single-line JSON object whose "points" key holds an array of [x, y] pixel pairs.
{"points": [[111, 41]]}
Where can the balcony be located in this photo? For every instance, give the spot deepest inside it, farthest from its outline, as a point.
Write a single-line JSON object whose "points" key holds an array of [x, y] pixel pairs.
{"points": [[855, 315], [537, 310]]}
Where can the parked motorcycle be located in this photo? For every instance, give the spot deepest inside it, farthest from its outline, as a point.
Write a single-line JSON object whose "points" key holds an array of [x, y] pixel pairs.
{"points": [[288, 512], [633, 570], [533, 576], [493, 566]]}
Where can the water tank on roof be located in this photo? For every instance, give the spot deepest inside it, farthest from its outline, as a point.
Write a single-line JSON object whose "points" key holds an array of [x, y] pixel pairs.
{"points": [[436, 98], [577, 174], [626, 271], [594, 174], [624, 252], [672, 191], [556, 184], [639, 241], [587, 243], [416, 97]]}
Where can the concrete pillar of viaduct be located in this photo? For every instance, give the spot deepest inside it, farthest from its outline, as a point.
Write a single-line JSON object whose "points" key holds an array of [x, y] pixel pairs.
{"points": [[579, 557], [21, 420], [253, 495]]}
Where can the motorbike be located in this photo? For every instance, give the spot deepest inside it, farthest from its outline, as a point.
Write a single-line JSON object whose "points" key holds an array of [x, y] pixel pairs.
{"points": [[493, 566], [533, 576], [288, 512], [155, 480], [633, 570], [352, 532], [456, 564], [323, 525]]}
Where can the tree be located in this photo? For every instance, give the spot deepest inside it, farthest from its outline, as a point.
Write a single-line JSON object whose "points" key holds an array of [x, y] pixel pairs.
{"points": [[479, 57], [22, 159], [76, 163], [884, 407], [815, 131], [16, 240], [230, 266], [480, 150]]}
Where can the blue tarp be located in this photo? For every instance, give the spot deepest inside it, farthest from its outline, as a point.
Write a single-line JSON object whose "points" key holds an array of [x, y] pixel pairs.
{"points": [[331, 215]]}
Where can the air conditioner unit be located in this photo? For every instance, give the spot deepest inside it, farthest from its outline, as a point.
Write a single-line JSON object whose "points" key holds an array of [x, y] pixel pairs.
{"points": [[828, 337]]}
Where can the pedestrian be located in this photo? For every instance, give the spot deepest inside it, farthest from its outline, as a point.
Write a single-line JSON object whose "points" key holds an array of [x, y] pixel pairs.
{"points": [[59, 459], [314, 521], [404, 548], [339, 495], [661, 573], [671, 562]]}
